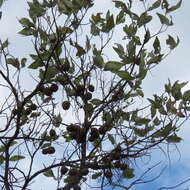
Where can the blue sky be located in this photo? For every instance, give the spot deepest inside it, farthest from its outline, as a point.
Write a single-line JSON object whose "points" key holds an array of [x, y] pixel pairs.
{"points": [[176, 66]]}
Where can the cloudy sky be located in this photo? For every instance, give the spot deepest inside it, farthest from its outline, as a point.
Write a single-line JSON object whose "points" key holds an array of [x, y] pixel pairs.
{"points": [[175, 67]]}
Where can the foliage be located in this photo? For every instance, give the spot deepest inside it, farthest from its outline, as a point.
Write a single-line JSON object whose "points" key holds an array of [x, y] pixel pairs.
{"points": [[82, 118]]}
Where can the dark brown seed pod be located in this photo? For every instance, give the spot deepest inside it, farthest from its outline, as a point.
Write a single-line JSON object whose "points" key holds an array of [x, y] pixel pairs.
{"points": [[73, 134], [87, 96], [54, 87], [45, 151], [73, 127], [92, 138], [84, 171], [91, 88], [73, 172], [64, 170], [66, 105], [33, 106], [28, 111], [51, 150], [94, 133], [52, 133]]}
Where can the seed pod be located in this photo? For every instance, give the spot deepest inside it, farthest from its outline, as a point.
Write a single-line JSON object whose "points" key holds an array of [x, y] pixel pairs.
{"points": [[45, 151], [33, 106], [28, 111], [64, 170], [73, 127], [84, 171], [52, 133], [51, 150], [54, 87], [66, 105], [73, 172], [91, 88], [87, 96]]}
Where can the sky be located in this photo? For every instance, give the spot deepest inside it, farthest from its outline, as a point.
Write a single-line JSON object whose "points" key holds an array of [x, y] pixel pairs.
{"points": [[175, 67]]}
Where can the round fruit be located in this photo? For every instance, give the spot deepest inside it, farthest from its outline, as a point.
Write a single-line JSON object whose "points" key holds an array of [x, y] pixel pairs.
{"points": [[64, 170], [84, 171], [51, 150], [73, 172], [52, 133], [87, 96], [91, 88], [54, 87], [28, 111], [44, 151], [66, 105], [73, 127], [33, 106], [91, 138]]}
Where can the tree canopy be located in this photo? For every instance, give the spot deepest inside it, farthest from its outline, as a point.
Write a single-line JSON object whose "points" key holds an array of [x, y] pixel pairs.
{"points": [[79, 118]]}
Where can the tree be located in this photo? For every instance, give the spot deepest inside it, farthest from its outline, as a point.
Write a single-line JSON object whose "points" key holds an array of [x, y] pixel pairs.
{"points": [[82, 117]]}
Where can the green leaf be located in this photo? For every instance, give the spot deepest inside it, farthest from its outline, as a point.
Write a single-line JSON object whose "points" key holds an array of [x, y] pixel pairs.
{"points": [[173, 139], [155, 5], [16, 158], [112, 66], [120, 17], [36, 64], [109, 25], [153, 111], [80, 50], [163, 19], [98, 61], [147, 36], [26, 23], [96, 102], [49, 173], [124, 75], [27, 32], [128, 173], [96, 175], [156, 46], [14, 62], [5, 44], [23, 62], [171, 42], [111, 138], [144, 19], [142, 121], [186, 96], [173, 8]]}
